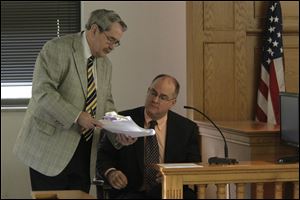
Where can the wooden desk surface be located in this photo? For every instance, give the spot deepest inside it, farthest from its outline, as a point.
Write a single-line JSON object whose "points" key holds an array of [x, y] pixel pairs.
{"points": [[61, 194], [247, 126], [169, 168]]}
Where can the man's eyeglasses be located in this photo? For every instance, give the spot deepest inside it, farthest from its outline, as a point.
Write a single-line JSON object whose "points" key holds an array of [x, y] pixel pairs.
{"points": [[153, 93], [112, 41]]}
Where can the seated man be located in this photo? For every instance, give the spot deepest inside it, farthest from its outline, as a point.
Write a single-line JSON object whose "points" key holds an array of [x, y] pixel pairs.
{"points": [[128, 170]]}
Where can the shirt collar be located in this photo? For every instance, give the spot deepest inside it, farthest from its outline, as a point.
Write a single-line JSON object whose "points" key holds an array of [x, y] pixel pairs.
{"points": [[86, 47], [160, 122]]}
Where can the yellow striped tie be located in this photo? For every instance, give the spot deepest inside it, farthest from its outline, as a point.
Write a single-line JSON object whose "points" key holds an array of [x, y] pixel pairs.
{"points": [[91, 100]]}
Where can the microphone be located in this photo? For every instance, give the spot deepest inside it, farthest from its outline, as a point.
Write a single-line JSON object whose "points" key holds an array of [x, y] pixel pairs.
{"points": [[216, 160]]}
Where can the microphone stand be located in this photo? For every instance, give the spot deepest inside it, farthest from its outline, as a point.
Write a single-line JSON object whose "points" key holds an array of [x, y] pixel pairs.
{"points": [[217, 160]]}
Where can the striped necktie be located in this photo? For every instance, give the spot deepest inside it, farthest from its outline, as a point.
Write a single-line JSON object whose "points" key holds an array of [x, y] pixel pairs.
{"points": [[91, 100], [151, 157]]}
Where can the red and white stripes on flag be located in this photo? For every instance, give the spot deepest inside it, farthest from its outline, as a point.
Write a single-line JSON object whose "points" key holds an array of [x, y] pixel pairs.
{"points": [[272, 69]]}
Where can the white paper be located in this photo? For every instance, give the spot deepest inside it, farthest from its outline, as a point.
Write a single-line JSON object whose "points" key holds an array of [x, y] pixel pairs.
{"points": [[124, 125]]}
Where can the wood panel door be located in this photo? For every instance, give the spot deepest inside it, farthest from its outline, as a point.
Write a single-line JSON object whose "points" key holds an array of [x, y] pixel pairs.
{"points": [[223, 55]]}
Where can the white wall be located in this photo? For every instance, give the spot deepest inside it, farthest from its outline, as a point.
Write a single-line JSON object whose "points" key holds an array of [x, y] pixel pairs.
{"points": [[15, 181], [154, 43]]}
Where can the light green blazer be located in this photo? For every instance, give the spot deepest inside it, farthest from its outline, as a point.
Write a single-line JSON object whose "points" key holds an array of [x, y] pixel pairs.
{"points": [[48, 137]]}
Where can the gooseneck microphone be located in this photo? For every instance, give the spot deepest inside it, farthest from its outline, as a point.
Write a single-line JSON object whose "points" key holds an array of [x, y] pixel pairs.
{"points": [[216, 160]]}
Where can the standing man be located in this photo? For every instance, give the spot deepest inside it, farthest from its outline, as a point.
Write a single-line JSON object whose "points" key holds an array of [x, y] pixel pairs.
{"points": [[71, 89], [129, 169]]}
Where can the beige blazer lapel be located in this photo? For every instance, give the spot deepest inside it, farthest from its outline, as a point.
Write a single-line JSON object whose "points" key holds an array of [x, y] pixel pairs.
{"points": [[80, 63]]}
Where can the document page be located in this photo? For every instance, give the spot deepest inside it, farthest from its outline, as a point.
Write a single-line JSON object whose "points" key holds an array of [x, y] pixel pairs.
{"points": [[125, 125]]}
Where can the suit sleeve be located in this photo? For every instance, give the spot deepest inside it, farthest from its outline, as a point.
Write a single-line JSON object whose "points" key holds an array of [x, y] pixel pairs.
{"points": [[106, 154], [194, 147]]}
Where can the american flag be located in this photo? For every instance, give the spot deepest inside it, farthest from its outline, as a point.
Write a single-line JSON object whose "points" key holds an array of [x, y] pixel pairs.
{"points": [[272, 69]]}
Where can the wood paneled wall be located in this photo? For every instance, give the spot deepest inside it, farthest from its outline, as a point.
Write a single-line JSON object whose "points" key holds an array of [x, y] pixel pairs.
{"points": [[223, 55]]}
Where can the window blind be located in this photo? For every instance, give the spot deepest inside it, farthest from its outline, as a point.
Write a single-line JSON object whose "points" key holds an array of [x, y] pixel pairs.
{"points": [[25, 27]]}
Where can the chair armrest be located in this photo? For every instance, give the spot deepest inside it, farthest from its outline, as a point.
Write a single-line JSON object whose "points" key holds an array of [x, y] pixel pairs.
{"points": [[102, 186], [99, 182]]}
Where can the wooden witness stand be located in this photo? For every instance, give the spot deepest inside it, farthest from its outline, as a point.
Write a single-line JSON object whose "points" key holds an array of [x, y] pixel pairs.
{"points": [[255, 145], [247, 141], [259, 172]]}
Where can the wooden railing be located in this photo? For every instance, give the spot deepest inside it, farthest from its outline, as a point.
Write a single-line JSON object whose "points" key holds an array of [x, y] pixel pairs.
{"points": [[257, 172]]}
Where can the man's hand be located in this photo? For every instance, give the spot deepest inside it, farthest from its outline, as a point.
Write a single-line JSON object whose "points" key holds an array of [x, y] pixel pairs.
{"points": [[86, 121], [125, 140], [117, 179]]}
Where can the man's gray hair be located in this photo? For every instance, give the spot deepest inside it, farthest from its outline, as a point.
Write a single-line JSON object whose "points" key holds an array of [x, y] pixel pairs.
{"points": [[104, 18]]}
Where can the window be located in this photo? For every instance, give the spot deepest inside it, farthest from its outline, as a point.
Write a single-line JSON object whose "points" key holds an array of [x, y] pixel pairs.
{"points": [[25, 27]]}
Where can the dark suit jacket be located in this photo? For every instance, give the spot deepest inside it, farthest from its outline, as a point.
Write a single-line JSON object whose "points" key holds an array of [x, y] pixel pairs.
{"points": [[181, 146]]}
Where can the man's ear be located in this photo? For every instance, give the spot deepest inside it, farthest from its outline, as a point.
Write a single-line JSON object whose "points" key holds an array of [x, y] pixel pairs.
{"points": [[94, 28], [174, 102]]}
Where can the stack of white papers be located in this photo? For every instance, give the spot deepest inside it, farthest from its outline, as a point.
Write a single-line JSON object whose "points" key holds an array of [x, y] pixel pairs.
{"points": [[124, 125]]}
